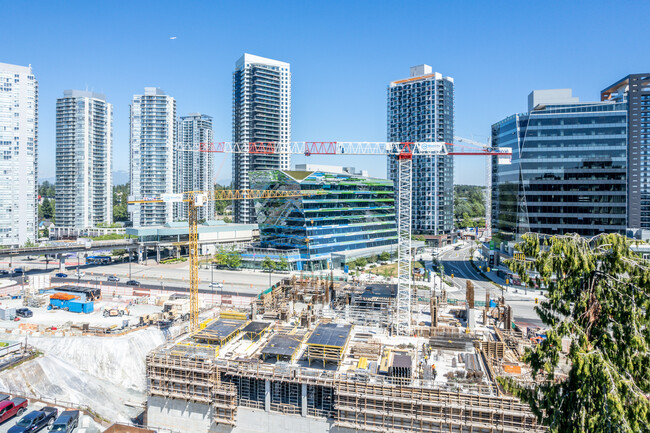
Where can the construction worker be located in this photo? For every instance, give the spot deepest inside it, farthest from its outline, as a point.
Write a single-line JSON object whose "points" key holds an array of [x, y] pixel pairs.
{"points": [[434, 372]]}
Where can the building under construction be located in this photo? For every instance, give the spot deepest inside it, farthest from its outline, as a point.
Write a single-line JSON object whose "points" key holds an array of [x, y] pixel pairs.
{"points": [[296, 363]]}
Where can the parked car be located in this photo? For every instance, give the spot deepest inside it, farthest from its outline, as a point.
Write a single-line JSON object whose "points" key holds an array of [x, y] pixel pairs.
{"points": [[458, 247], [61, 275], [216, 285], [11, 408], [66, 422], [112, 278], [35, 421], [24, 312], [18, 270], [133, 283], [4, 272], [79, 274]]}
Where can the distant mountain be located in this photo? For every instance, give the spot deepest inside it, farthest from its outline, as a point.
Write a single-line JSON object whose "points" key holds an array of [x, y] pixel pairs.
{"points": [[120, 177]]}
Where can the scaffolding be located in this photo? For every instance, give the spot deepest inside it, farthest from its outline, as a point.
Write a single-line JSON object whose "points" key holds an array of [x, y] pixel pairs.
{"points": [[191, 376], [380, 405]]}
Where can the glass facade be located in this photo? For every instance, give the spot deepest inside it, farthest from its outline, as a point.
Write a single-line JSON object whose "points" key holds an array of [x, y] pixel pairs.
{"points": [[261, 113], [421, 108], [568, 171], [357, 213], [84, 154], [194, 170], [634, 90], [19, 152], [153, 153]]}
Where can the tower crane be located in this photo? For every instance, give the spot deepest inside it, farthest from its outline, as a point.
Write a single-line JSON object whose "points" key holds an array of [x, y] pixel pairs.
{"points": [[196, 199], [404, 152]]}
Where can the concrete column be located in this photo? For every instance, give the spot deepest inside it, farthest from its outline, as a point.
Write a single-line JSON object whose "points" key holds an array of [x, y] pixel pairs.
{"points": [[303, 401], [157, 253], [62, 262], [267, 395], [140, 254]]}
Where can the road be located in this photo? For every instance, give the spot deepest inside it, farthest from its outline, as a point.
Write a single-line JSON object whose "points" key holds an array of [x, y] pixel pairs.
{"points": [[243, 282], [456, 262]]}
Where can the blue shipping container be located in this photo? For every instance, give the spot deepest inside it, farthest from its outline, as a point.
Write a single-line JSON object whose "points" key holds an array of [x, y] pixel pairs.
{"points": [[81, 307]]}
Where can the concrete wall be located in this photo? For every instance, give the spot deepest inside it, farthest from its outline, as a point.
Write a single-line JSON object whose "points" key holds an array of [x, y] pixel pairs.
{"points": [[181, 416], [258, 421], [178, 415]]}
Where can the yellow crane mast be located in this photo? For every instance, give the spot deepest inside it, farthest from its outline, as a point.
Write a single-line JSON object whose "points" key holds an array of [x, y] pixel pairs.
{"points": [[196, 199]]}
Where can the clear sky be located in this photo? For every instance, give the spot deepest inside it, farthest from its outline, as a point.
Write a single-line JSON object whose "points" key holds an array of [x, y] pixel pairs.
{"points": [[343, 54]]}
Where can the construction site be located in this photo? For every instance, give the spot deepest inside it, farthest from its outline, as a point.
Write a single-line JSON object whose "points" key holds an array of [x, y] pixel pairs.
{"points": [[321, 356]]}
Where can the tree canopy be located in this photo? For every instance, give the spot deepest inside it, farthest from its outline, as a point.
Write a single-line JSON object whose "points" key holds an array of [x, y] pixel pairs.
{"points": [[120, 198], [470, 200], [47, 189], [598, 297]]}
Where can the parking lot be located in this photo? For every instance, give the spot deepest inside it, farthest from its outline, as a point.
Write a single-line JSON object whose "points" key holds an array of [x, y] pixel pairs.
{"points": [[86, 423]]}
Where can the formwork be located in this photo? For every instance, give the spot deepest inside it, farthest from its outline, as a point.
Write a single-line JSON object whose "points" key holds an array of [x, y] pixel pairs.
{"points": [[219, 331], [383, 408], [282, 347], [191, 376], [327, 343], [376, 405], [254, 330]]}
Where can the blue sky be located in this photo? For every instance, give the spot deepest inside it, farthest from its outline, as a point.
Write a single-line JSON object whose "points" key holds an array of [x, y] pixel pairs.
{"points": [[342, 54]]}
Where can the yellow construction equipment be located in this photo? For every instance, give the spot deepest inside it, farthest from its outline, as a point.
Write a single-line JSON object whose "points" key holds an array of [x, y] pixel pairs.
{"points": [[197, 199]]}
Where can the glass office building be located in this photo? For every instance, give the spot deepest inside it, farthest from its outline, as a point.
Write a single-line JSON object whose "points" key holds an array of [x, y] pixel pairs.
{"points": [[634, 89], [356, 214], [568, 171]]}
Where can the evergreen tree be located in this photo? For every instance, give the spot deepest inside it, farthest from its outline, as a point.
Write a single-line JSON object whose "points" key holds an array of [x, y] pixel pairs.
{"points": [[598, 296]]}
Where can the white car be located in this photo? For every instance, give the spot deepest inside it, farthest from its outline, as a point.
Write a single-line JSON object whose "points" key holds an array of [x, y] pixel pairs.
{"points": [[79, 274], [216, 286]]}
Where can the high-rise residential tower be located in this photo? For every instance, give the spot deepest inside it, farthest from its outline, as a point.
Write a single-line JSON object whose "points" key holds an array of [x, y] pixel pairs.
{"points": [[84, 150], [153, 154], [19, 149], [195, 170], [261, 113], [421, 108], [634, 89]]}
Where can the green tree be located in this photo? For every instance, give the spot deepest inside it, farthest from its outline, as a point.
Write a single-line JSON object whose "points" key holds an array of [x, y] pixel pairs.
{"points": [[120, 253], [221, 205], [470, 200], [467, 221], [227, 220], [269, 265], [47, 189], [221, 257], [385, 256], [47, 209], [234, 259], [120, 202], [599, 298], [283, 264]]}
